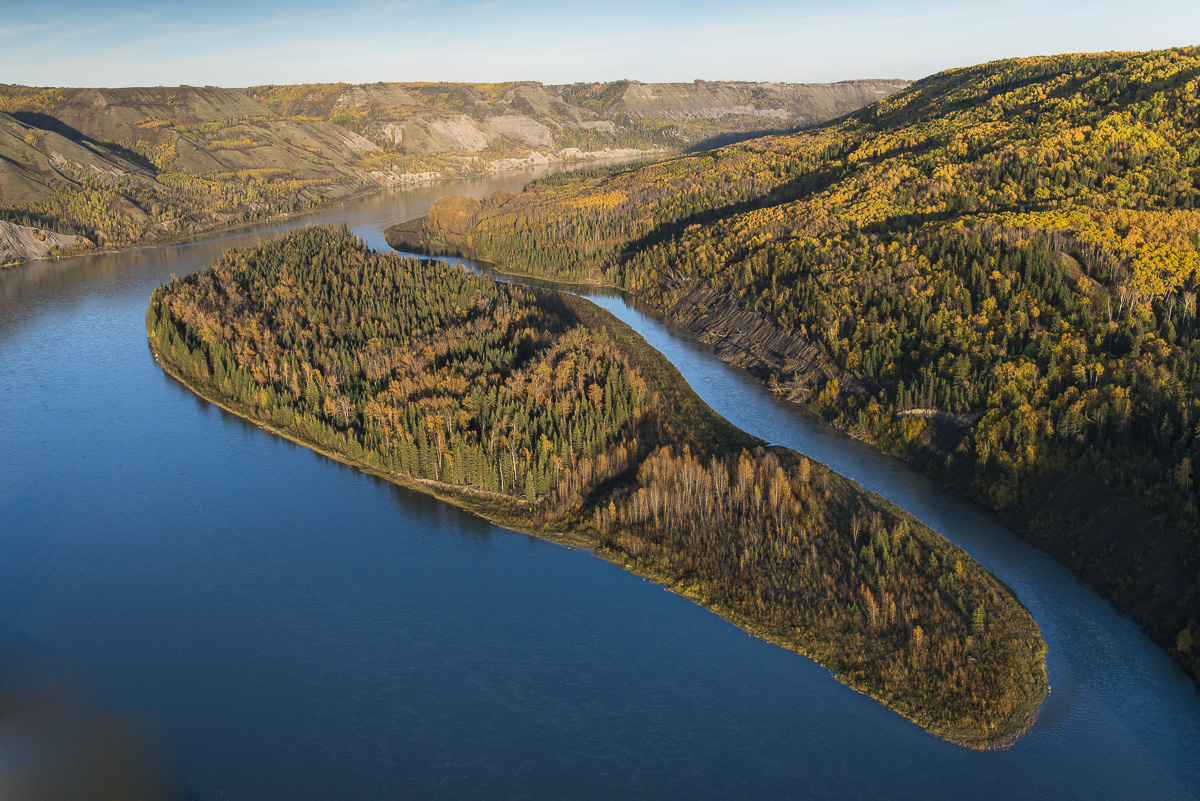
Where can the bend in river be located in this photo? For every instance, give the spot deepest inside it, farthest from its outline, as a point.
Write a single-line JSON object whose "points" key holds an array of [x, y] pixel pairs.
{"points": [[299, 630]]}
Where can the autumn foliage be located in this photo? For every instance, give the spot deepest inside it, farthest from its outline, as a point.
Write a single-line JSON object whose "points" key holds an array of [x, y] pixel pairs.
{"points": [[563, 422], [1003, 259]]}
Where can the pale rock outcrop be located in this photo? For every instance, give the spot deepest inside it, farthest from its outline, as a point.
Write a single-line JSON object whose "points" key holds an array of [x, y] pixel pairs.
{"points": [[522, 128], [22, 243]]}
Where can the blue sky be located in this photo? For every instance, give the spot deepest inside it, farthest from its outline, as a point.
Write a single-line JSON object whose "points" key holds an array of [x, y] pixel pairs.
{"points": [[237, 44]]}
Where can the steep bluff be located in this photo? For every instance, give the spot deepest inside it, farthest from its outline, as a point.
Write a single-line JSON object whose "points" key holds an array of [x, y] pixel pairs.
{"points": [[748, 339]]}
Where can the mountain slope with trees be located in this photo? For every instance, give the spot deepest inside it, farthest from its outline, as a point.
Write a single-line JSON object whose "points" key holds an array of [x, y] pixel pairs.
{"points": [[992, 273], [132, 166], [545, 413]]}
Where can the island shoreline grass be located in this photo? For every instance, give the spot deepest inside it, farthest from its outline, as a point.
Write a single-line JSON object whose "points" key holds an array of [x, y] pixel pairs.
{"points": [[576, 532]]}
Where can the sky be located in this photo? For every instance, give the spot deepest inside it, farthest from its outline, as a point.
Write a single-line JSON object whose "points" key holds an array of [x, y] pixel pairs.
{"points": [[236, 44]]}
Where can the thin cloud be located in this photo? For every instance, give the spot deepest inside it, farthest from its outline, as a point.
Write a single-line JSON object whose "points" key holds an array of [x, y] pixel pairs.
{"points": [[369, 40], [385, 8], [12, 31]]}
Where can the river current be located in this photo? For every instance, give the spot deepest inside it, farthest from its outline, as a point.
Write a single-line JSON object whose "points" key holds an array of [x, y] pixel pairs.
{"points": [[256, 622]]}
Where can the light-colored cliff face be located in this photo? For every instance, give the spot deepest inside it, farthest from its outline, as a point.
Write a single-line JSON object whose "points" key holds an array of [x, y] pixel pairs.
{"points": [[21, 243], [522, 128], [423, 120]]}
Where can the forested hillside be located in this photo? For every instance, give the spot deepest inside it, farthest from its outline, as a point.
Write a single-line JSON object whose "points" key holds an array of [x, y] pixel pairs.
{"points": [[130, 166], [992, 273], [544, 413]]}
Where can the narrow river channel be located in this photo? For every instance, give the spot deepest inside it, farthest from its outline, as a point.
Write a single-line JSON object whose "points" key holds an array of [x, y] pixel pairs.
{"points": [[268, 624]]}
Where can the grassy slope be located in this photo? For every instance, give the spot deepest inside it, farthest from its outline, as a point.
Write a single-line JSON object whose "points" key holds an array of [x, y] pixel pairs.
{"points": [[128, 166]]}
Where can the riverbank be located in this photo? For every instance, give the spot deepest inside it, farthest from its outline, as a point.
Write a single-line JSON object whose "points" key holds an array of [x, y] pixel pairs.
{"points": [[228, 228], [690, 419], [61, 247]]}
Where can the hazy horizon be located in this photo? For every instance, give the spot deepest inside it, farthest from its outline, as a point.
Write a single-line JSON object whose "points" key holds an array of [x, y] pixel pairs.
{"points": [[140, 43]]}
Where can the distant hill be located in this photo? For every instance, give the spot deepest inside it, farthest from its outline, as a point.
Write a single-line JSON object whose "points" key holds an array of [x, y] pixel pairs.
{"points": [[465, 122], [992, 273], [127, 166]]}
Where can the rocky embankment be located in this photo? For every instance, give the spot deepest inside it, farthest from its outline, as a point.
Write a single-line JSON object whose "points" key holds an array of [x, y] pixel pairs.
{"points": [[20, 243], [794, 364]]}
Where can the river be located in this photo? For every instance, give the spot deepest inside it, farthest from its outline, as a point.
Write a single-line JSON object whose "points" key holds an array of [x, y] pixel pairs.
{"points": [[268, 624]]}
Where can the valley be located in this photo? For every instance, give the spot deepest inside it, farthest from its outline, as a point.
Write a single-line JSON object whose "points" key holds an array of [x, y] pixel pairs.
{"points": [[130, 167]]}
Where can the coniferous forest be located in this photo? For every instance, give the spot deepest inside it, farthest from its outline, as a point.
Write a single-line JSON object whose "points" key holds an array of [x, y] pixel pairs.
{"points": [[992, 273], [546, 414]]}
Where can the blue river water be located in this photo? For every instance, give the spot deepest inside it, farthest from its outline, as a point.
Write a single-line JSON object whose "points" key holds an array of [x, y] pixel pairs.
{"points": [[239, 618]]}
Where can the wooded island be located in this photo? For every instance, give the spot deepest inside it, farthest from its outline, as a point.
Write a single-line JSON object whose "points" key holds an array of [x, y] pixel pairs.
{"points": [[544, 413]]}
